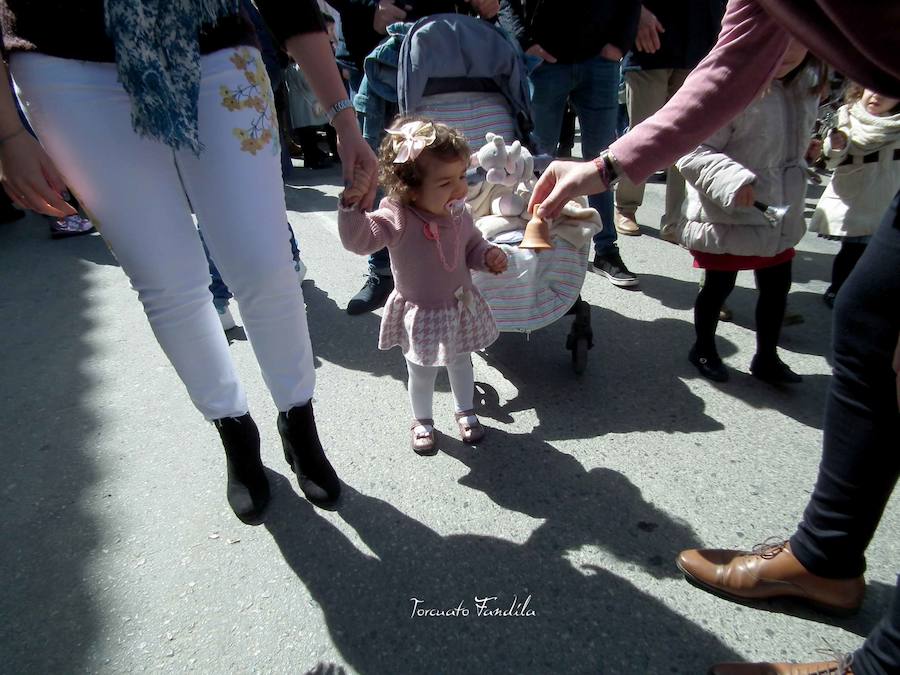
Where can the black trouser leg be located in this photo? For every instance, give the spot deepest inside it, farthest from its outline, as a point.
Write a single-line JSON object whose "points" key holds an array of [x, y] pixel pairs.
{"points": [[773, 284], [880, 654], [567, 133], [716, 287], [308, 139], [844, 262], [860, 462]]}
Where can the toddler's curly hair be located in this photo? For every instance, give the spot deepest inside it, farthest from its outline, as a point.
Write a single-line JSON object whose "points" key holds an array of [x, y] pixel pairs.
{"points": [[399, 180]]}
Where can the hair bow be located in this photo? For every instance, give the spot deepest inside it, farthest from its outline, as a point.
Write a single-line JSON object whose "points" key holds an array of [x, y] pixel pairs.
{"points": [[411, 139]]}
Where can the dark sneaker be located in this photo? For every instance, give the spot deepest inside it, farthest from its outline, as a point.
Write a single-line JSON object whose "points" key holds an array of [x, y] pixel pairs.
{"points": [[610, 265], [70, 226], [829, 297], [372, 295], [710, 367], [773, 371]]}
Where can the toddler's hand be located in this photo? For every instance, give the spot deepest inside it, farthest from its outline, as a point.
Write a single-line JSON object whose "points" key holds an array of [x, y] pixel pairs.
{"points": [[496, 260], [744, 196], [813, 151], [838, 140], [358, 187]]}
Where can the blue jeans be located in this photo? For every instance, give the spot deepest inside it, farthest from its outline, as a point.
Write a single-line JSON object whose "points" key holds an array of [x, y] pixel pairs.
{"points": [[380, 261], [593, 87], [219, 289]]}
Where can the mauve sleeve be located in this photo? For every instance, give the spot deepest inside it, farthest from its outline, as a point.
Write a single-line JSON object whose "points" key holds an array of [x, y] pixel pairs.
{"points": [[365, 233], [742, 62], [476, 250], [286, 18]]}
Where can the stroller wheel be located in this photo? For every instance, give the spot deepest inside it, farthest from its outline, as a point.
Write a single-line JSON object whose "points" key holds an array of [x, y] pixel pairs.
{"points": [[579, 354]]}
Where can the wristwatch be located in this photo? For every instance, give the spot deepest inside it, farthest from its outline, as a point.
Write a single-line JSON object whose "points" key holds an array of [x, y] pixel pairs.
{"points": [[612, 173], [341, 105]]}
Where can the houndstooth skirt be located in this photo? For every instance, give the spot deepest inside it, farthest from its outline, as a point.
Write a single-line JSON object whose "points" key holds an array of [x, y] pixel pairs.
{"points": [[433, 336]]}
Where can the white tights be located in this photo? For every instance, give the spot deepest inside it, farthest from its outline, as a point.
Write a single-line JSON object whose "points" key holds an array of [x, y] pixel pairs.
{"points": [[421, 385], [136, 190]]}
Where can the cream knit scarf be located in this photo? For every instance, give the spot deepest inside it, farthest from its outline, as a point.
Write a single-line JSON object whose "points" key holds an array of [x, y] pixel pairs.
{"points": [[869, 132]]}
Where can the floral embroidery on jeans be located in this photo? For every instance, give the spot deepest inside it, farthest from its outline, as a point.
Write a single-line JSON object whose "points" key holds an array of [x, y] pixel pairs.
{"points": [[255, 95]]}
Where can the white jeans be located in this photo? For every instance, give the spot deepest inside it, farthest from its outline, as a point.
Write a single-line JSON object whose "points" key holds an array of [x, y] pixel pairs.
{"points": [[421, 385], [139, 193]]}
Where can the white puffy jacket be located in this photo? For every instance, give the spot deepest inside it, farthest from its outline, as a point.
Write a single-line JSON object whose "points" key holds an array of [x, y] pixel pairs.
{"points": [[764, 146], [866, 174]]}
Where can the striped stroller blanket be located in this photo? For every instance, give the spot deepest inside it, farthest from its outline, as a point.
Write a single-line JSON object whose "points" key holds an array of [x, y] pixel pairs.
{"points": [[537, 288]]}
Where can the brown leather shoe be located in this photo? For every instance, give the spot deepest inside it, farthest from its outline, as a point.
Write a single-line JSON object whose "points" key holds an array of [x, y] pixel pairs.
{"points": [[626, 224], [839, 667], [469, 433], [769, 571], [423, 442]]}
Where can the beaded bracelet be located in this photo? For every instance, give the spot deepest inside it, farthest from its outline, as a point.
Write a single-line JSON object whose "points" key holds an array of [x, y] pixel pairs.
{"points": [[606, 169]]}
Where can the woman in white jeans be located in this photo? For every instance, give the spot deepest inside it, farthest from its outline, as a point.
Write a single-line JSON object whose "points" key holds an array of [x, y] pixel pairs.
{"points": [[141, 134]]}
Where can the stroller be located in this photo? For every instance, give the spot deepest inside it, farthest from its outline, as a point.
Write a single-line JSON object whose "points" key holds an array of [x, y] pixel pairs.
{"points": [[469, 74]]}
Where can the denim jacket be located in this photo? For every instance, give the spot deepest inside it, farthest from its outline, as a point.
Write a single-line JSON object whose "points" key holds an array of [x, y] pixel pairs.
{"points": [[377, 96]]}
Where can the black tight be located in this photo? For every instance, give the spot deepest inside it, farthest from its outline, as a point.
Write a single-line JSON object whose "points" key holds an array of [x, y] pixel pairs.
{"points": [[773, 284], [844, 262]]}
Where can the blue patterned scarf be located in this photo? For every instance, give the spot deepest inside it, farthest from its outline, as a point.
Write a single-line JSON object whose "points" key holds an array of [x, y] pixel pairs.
{"points": [[158, 61]]}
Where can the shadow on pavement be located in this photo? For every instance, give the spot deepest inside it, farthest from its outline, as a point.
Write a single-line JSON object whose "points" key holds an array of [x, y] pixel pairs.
{"points": [[875, 607], [585, 619], [632, 362], [305, 199], [600, 507], [540, 369], [348, 341], [50, 617], [805, 402]]}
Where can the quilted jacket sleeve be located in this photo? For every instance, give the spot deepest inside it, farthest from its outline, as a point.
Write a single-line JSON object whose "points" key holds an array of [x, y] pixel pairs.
{"points": [[713, 173]]}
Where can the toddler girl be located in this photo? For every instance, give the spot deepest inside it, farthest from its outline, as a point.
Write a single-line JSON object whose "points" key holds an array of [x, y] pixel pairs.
{"points": [[753, 163], [864, 151], [434, 314]]}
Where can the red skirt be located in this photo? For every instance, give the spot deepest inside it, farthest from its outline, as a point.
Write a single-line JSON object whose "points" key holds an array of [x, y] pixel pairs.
{"points": [[726, 262]]}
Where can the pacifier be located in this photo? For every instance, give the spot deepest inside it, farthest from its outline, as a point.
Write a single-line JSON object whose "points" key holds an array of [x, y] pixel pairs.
{"points": [[456, 207]]}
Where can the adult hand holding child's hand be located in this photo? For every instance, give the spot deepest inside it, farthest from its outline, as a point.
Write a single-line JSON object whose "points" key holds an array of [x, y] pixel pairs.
{"points": [[496, 260], [360, 185]]}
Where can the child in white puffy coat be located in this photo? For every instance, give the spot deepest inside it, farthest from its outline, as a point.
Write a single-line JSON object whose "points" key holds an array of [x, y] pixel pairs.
{"points": [[864, 151], [756, 161]]}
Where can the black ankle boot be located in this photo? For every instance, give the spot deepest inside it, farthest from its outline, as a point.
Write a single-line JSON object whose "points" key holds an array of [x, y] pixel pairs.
{"points": [[711, 367], [303, 451], [773, 370], [248, 488]]}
